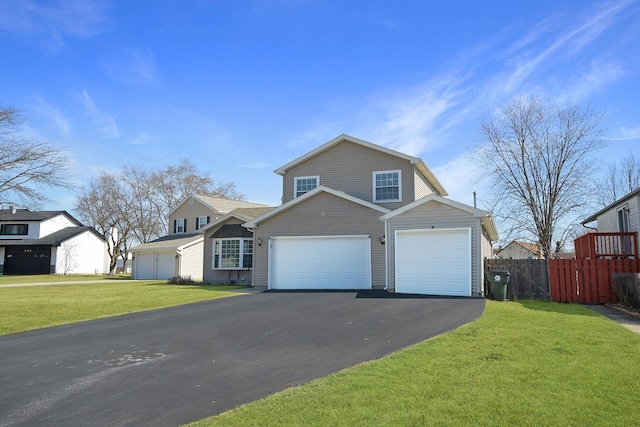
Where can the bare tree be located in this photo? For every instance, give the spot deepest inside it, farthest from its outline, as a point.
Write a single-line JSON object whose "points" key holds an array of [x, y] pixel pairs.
{"points": [[538, 156], [100, 205], [173, 183], [620, 179], [132, 205], [28, 167]]}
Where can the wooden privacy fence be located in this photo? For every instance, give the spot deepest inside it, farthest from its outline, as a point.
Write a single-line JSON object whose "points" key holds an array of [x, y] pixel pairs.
{"points": [[529, 277], [587, 281]]}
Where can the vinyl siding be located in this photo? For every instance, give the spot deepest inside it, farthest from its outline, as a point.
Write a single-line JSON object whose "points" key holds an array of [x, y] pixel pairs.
{"points": [[607, 222], [54, 224], [436, 215], [191, 261], [422, 186], [322, 215], [222, 276], [82, 254], [349, 167], [191, 212]]}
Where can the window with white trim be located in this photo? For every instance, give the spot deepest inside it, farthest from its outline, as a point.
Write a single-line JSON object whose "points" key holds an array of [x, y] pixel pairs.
{"points": [[232, 254], [303, 184], [387, 186], [202, 221], [180, 225]]}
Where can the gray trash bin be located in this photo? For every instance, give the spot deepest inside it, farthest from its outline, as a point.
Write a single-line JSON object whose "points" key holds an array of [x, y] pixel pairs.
{"points": [[498, 280]]}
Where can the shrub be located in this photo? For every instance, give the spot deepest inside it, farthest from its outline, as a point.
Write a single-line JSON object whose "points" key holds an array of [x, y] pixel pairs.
{"points": [[627, 286], [181, 280]]}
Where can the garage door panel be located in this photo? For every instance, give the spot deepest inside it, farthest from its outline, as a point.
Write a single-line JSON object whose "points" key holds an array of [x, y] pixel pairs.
{"points": [[166, 266], [144, 266], [434, 262], [319, 262]]}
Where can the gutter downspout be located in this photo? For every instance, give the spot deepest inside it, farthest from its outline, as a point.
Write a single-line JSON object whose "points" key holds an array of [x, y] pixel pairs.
{"points": [[386, 255]]}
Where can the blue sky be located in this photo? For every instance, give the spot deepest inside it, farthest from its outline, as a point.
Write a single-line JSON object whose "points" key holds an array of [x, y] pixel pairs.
{"points": [[242, 87]]}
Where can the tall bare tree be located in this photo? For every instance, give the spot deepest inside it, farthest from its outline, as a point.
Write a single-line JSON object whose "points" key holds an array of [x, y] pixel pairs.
{"points": [[620, 179], [28, 167], [539, 157], [101, 205]]}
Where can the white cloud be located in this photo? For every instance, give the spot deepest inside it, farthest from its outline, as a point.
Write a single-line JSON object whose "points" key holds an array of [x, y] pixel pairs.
{"points": [[596, 78], [135, 65], [106, 123], [50, 22], [461, 177], [55, 115], [625, 134]]}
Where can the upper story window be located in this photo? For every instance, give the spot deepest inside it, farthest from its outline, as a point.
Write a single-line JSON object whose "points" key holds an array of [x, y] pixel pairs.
{"points": [[387, 186], [14, 229], [180, 225], [232, 254], [304, 183], [202, 221]]}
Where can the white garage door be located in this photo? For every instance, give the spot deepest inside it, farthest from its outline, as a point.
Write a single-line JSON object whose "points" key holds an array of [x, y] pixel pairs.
{"points": [[144, 266], [166, 265], [155, 266], [433, 262], [319, 262]]}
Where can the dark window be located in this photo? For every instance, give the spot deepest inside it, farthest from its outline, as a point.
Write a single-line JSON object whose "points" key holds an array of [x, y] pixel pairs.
{"points": [[14, 229]]}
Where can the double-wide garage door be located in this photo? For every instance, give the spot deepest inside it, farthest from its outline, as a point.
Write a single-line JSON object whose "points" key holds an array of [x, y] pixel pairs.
{"points": [[433, 261], [320, 262], [155, 266]]}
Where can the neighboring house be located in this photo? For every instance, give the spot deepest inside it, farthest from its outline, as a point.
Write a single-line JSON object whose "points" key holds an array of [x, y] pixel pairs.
{"points": [[49, 242], [181, 252], [195, 212], [620, 216], [520, 250], [356, 215], [228, 247]]}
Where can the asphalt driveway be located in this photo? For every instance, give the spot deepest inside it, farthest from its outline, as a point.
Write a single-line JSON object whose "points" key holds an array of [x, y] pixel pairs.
{"points": [[180, 364]]}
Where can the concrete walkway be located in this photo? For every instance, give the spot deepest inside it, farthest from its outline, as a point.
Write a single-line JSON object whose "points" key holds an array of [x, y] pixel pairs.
{"points": [[72, 282], [617, 316]]}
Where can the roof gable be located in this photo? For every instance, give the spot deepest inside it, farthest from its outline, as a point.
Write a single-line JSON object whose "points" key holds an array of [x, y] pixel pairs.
{"points": [[485, 217], [531, 247], [417, 162], [241, 214], [308, 195], [56, 238], [622, 199], [39, 216], [217, 204], [170, 242]]}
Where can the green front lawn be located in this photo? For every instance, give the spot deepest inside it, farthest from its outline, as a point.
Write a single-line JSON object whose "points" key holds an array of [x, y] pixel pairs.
{"points": [[42, 278], [33, 307], [522, 363]]}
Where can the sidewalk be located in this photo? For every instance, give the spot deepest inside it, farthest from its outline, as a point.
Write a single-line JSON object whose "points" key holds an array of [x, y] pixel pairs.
{"points": [[77, 282], [623, 319]]}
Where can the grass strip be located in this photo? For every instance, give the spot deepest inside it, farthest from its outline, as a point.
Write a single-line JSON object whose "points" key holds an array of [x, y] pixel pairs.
{"points": [[523, 363], [44, 278], [26, 308]]}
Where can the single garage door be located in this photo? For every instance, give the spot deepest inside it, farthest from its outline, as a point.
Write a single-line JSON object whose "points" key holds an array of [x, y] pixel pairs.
{"points": [[433, 262], [155, 266], [319, 262], [145, 266]]}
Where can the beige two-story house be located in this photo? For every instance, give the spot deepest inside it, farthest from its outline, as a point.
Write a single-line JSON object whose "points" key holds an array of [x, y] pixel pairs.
{"points": [[180, 253], [356, 215]]}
